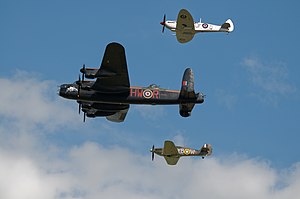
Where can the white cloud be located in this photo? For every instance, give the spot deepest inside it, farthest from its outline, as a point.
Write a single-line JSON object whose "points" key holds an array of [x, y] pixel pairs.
{"points": [[150, 112], [226, 98], [271, 79], [33, 167], [29, 101], [92, 171]]}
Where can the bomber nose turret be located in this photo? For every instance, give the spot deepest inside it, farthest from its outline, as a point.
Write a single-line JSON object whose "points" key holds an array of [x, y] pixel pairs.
{"points": [[69, 91], [61, 90]]}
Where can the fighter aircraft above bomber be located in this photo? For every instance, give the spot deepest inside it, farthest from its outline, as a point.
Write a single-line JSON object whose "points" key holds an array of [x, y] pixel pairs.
{"points": [[111, 94], [186, 28], [172, 153]]}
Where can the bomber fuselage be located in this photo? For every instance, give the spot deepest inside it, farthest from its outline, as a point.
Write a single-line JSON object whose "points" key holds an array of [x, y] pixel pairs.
{"points": [[134, 95]]}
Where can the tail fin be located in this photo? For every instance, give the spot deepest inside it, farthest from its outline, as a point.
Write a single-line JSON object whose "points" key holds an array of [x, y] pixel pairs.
{"points": [[187, 92], [187, 87], [206, 150], [228, 26]]}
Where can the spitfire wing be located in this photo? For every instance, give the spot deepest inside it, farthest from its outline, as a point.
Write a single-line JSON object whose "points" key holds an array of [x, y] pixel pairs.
{"points": [[118, 116], [113, 74], [171, 160], [169, 148], [183, 38], [185, 29], [184, 20]]}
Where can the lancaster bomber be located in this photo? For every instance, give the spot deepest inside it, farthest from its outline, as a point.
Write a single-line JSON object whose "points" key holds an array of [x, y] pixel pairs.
{"points": [[172, 153], [110, 95]]}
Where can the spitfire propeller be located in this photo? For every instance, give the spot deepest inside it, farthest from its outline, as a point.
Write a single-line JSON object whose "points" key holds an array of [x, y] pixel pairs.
{"points": [[163, 23]]}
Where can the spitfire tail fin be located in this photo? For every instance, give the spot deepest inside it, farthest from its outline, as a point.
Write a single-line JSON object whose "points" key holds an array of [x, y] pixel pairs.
{"points": [[227, 26]]}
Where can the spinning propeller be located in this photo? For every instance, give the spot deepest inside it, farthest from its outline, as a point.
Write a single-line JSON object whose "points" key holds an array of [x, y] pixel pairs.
{"points": [[79, 108], [152, 150], [82, 70], [163, 23], [79, 83]]}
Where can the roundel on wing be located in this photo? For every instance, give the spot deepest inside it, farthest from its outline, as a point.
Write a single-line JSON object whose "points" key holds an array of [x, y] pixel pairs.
{"points": [[147, 94]]}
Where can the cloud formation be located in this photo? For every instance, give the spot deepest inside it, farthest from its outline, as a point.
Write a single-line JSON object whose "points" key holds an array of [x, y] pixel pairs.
{"points": [[226, 98], [28, 101], [150, 112], [270, 78], [34, 167], [92, 171]]}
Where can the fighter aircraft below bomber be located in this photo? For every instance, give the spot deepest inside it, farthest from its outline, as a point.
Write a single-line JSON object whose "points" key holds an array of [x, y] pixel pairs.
{"points": [[172, 153], [111, 94], [186, 28]]}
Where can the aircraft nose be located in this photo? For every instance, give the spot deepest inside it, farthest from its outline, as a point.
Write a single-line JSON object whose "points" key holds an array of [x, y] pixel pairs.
{"points": [[61, 90], [58, 90]]}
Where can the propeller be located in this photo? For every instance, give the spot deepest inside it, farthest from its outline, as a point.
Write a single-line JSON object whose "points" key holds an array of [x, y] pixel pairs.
{"points": [[152, 150], [79, 85], [163, 23], [84, 116], [83, 71], [79, 107]]}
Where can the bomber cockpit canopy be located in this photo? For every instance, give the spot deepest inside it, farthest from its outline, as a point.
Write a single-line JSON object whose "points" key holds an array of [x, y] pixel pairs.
{"points": [[153, 86]]}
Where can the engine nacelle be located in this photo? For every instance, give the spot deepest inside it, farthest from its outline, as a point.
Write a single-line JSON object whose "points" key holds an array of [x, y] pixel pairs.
{"points": [[185, 109], [97, 113], [185, 113], [104, 107], [89, 73]]}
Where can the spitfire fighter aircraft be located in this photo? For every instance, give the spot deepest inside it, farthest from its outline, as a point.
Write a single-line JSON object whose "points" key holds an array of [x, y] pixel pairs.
{"points": [[111, 94], [172, 153], [186, 28]]}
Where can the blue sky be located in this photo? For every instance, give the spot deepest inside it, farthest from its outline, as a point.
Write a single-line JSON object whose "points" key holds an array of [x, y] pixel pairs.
{"points": [[250, 114]]}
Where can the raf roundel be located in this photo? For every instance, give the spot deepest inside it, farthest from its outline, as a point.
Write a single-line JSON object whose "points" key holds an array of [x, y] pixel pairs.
{"points": [[187, 151], [147, 94], [204, 25]]}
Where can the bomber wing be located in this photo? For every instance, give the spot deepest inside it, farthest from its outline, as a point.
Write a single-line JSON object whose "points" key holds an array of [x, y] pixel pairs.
{"points": [[185, 29], [113, 74], [118, 116], [112, 112]]}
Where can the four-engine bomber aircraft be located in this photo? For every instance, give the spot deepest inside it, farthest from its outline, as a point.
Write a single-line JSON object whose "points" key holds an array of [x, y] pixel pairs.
{"points": [[186, 28], [172, 153], [111, 94]]}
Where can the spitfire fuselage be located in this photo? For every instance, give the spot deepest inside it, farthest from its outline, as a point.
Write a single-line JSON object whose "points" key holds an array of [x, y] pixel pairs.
{"points": [[198, 27]]}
